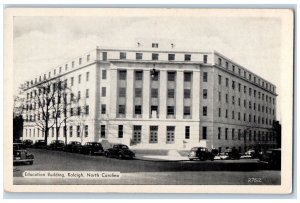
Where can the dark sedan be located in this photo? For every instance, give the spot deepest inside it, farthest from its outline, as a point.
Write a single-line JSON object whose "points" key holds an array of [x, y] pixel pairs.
{"points": [[27, 143], [56, 145], [92, 148], [40, 144], [73, 146], [21, 155], [119, 151], [201, 153]]}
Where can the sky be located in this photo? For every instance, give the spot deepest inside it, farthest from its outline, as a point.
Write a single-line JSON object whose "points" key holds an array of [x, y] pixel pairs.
{"points": [[43, 43]]}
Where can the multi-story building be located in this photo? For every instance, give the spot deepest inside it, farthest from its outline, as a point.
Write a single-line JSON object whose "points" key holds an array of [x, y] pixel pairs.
{"points": [[161, 98]]}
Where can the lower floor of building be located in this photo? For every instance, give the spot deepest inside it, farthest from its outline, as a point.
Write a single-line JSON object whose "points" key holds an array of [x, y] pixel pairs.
{"points": [[159, 135]]}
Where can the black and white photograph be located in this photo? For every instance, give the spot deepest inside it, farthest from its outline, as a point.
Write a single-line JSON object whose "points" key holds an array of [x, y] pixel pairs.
{"points": [[195, 100]]}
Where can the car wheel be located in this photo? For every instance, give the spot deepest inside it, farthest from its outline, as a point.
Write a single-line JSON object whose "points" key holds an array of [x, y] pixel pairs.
{"points": [[120, 156], [90, 152], [202, 158]]}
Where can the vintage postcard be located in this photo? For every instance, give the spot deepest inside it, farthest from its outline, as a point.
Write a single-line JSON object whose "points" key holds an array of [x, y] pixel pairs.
{"points": [[148, 100]]}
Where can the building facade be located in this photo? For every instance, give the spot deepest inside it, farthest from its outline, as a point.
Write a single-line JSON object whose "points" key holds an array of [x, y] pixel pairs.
{"points": [[153, 98]]}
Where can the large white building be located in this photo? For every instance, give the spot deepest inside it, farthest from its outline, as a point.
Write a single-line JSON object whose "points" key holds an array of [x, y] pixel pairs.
{"points": [[153, 97]]}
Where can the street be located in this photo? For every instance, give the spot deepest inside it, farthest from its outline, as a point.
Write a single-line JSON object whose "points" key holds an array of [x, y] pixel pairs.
{"points": [[137, 171]]}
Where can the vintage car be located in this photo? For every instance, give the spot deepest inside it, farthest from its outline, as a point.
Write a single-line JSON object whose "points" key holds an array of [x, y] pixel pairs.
{"points": [[92, 148], [232, 153], [56, 145], [28, 143], [120, 151], [272, 158], [40, 144], [21, 155], [221, 156], [73, 146], [201, 153]]}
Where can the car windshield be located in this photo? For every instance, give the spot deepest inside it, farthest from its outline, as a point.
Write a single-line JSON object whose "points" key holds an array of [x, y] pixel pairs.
{"points": [[194, 149], [124, 147]]}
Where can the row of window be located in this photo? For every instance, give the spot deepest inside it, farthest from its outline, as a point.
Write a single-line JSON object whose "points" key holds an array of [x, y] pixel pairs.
{"points": [[246, 135], [78, 111], [260, 95], [80, 131], [258, 107], [59, 71], [260, 120], [254, 79], [154, 56]]}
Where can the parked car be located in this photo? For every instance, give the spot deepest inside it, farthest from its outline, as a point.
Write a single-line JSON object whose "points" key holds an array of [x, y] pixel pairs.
{"points": [[120, 151], [73, 146], [272, 157], [28, 143], [233, 153], [221, 156], [40, 144], [56, 145], [201, 153], [21, 155], [92, 148]]}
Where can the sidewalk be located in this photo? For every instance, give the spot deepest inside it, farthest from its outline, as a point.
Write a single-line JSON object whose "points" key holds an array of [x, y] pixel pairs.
{"points": [[171, 155]]}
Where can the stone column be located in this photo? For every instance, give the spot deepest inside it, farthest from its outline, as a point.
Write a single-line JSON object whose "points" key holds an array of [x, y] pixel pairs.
{"points": [[162, 94], [129, 93], [146, 94], [179, 94]]}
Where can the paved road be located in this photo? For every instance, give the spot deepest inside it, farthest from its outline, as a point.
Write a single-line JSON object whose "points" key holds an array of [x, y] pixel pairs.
{"points": [[146, 172]]}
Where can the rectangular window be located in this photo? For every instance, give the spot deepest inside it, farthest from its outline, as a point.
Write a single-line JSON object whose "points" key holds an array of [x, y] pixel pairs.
{"points": [[233, 85], [220, 96], [122, 92], [204, 58], [154, 111], [220, 112], [227, 82], [170, 134], [233, 100], [154, 45], [154, 92], [103, 108], [87, 110], [226, 133], [71, 131], [86, 130], [138, 75], [122, 109], [87, 93], [153, 134], [233, 68], [204, 110], [155, 57], [219, 133], [137, 133], [122, 75], [60, 68], [204, 133], [79, 61], [171, 57], [226, 65], [239, 87], [205, 75], [171, 93], [87, 76], [226, 98], [79, 79], [78, 131], [104, 74], [137, 109], [66, 67], [220, 62], [78, 111], [171, 76], [71, 112], [104, 56], [232, 134], [72, 81], [138, 92], [220, 79], [187, 57], [187, 111], [102, 131], [204, 93], [104, 91], [187, 132], [122, 55], [79, 95], [120, 131], [139, 56], [171, 111], [187, 77], [88, 57]]}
